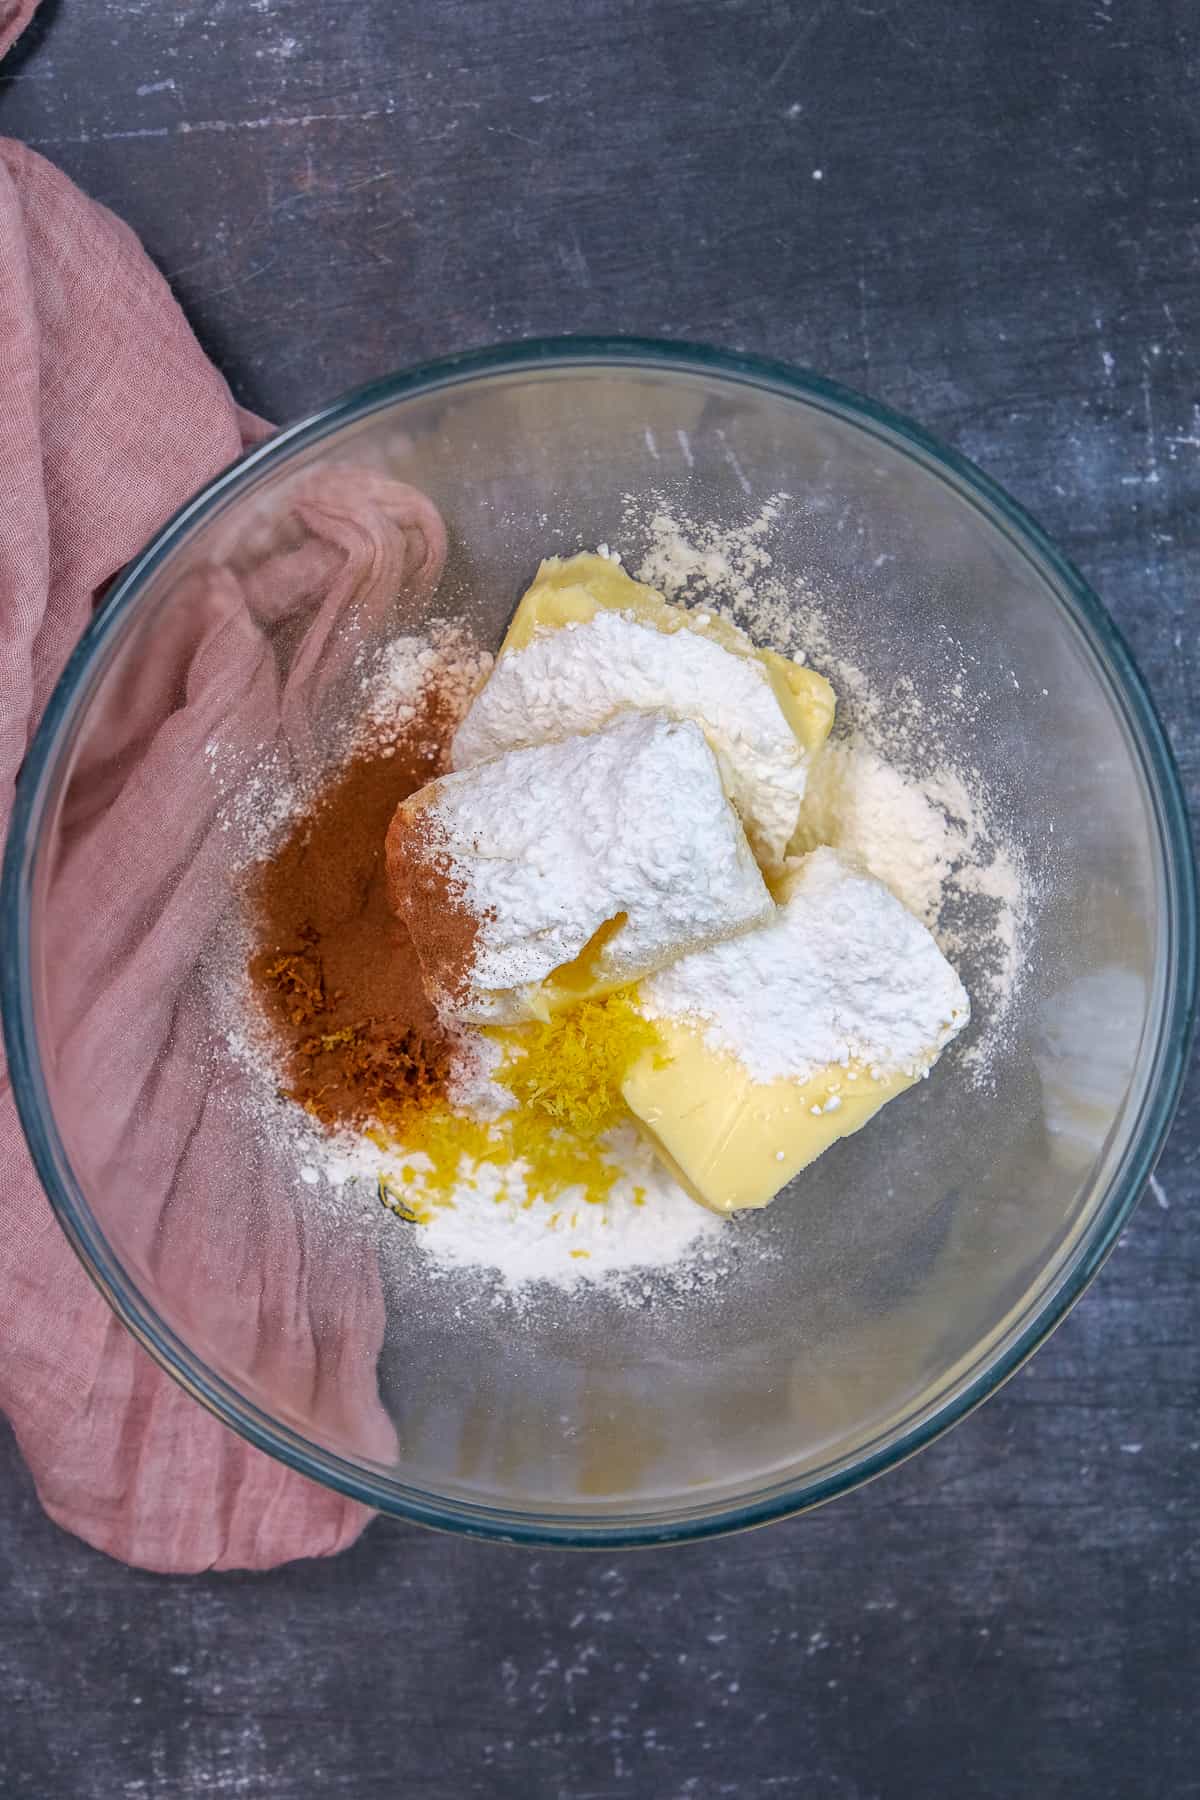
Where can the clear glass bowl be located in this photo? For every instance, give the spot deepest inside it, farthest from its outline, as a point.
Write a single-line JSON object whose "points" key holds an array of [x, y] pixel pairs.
{"points": [[916, 1264]]}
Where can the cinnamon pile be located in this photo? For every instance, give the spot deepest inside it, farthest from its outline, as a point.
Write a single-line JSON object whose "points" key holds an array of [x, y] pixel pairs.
{"points": [[424, 893], [334, 970]]}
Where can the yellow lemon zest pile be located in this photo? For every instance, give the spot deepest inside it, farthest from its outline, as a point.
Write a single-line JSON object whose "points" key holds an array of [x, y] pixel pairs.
{"points": [[569, 1069], [566, 1076]]}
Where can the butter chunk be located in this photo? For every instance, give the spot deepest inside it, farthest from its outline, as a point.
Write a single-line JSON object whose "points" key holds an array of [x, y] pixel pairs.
{"points": [[545, 876], [587, 643], [774, 1046]]}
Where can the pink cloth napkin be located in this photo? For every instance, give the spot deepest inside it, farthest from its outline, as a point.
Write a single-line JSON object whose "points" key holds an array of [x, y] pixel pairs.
{"points": [[110, 417]]}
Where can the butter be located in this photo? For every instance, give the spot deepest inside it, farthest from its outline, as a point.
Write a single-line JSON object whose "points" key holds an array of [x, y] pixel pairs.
{"points": [[587, 643], [572, 590], [775, 1045], [585, 977], [807, 701], [732, 1142]]}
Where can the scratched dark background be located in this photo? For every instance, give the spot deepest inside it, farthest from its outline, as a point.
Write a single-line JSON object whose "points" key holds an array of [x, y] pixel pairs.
{"points": [[988, 215]]}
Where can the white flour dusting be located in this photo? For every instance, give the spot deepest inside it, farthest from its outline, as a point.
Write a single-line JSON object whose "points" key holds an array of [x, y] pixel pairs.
{"points": [[844, 973], [646, 1222]]}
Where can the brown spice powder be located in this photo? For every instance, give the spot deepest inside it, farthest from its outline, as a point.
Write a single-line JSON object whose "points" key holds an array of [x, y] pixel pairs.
{"points": [[333, 968], [425, 894]]}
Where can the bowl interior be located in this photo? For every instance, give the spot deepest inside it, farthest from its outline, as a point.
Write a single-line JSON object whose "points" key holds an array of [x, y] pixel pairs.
{"points": [[903, 1271]]}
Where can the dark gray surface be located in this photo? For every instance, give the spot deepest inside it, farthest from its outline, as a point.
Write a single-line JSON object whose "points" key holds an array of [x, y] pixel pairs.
{"points": [[1004, 239]]}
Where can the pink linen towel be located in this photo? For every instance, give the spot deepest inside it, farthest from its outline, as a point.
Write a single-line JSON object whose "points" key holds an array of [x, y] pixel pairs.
{"points": [[110, 417]]}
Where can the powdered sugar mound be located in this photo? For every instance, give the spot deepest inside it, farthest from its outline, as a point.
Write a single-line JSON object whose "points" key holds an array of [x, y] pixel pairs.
{"points": [[632, 820], [491, 1223], [646, 1221], [584, 675], [844, 973]]}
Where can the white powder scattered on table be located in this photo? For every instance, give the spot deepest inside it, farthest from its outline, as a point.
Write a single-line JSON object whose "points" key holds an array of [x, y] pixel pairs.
{"points": [[584, 675], [843, 973], [547, 845]]}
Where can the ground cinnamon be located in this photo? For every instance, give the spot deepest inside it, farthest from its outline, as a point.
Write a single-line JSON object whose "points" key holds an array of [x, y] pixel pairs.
{"points": [[333, 968], [426, 895]]}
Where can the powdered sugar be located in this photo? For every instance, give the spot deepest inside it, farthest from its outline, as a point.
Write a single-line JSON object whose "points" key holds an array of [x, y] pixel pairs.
{"points": [[403, 672], [887, 790], [645, 1223], [549, 844], [888, 826], [583, 675], [843, 973]]}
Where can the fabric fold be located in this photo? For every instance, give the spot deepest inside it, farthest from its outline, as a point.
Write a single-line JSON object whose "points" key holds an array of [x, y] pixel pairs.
{"points": [[110, 418]]}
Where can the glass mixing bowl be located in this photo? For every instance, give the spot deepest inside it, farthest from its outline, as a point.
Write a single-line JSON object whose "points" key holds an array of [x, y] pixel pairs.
{"points": [[913, 1267]]}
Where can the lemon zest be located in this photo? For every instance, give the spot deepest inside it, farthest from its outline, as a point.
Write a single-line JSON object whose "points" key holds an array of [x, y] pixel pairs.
{"points": [[565, 1074], [568, 1069]]}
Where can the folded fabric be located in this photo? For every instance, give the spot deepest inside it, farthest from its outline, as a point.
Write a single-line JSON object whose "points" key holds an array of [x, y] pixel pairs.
{"points": [[110, 417]]}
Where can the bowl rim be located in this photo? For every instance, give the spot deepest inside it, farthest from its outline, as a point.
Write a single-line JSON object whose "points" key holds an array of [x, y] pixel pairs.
{"points": [[1170, 1051]]}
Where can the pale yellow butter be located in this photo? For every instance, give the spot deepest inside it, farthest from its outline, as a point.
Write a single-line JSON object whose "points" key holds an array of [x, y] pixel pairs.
{"points": [[572, 590], [855, 1001], [733, 1142]]}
